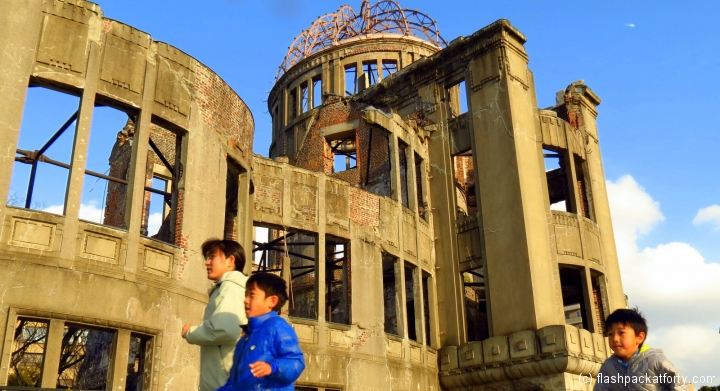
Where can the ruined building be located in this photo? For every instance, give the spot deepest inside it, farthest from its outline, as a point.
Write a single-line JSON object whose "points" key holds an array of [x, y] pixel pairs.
{"points": [[436, 228]]}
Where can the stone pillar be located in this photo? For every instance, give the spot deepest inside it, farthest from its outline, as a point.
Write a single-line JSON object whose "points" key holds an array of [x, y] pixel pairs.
{"points": [[53, 350], [18, 42], [519, 267], [581, 103], [119, 365], [76, 176]]}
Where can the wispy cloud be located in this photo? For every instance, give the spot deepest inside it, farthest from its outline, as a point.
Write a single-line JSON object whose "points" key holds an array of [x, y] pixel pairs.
{"points": [[631, 25], [709, 215]]}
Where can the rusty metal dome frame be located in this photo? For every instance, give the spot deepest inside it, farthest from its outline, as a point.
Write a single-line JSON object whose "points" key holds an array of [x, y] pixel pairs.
{"points": [[386, 16]]}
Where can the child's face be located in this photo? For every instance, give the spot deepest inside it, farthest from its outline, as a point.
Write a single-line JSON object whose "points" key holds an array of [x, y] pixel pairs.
{"points": [[256, 303], [218, 264], [623, 340]]}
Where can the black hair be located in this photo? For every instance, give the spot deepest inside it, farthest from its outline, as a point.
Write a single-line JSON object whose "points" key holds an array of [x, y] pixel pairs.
{"points": [[629, 318], [272, 285], [230, 248]]}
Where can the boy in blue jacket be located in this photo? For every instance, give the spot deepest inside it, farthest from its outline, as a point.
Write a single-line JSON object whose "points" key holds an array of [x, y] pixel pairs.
{"points": [[268, 355]]}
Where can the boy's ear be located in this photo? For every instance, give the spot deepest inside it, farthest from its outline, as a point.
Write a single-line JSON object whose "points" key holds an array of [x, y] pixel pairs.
{"points": [[641, 335], [274, 300]]}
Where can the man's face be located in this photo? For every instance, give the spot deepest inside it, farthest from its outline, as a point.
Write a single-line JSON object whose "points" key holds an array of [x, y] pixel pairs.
{"points": [[623, 340], [218, 264], [257, 303]]}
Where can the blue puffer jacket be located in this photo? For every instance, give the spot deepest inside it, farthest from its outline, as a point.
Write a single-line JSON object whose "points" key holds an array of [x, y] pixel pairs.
{"points": [[271, 339]]}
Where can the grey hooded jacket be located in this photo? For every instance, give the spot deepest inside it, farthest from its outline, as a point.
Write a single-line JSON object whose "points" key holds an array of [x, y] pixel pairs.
{"points": [[648, 370], [220, 329]]}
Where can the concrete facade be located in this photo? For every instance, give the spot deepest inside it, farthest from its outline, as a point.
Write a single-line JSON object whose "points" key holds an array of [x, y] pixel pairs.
{"points": [[421, 175]]}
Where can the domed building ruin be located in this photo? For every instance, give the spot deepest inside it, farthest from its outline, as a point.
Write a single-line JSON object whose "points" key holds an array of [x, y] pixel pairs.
{"points": [[436, 228]]}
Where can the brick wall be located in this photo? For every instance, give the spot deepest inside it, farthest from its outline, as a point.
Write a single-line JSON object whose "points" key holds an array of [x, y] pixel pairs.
{"points": [[364, 207]]}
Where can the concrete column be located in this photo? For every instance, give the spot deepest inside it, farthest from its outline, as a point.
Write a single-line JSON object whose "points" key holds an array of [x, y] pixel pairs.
{"points": [[601, 205], [519, 266], [441, 189], [18, 42], [320, 269], [119, 365], [590, 309], [53, 350], [76, 176], [394, 167], [136, 177], [244, 218]]}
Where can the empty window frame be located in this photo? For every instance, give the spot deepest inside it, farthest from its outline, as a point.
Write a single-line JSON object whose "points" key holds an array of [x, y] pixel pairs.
{"points": [[404, 188], [599, 298], [338, 287], [317, 91], [412, 314], [376, 162], [419, 188], [370, 68], [426, 284], [573, 294], [44, 151], [85, 357], [28, 352], [476, 309], [292, 104], [350, 79], [304, 97], [389, 67], [390, 295], [232, 186], [161, 177], [344, 152], [557, 180], [268, 249], [457, 99], [584, 207], [108, 167], [139, 360], [303, 289], [465, 189]]}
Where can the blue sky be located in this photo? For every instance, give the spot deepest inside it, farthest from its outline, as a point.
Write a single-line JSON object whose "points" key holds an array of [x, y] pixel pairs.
{"points": [[654, 64]]}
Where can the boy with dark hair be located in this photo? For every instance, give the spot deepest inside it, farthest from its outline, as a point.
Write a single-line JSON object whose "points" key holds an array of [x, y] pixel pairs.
{"points": [[635, 366], [268, 356], [224, 314]]}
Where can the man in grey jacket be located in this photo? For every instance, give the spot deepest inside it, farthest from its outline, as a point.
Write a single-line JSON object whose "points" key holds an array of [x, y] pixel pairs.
{"points": [[635, 366], [224, 314]]}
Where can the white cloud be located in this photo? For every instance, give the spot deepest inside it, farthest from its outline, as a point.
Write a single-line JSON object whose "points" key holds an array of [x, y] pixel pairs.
{"points": [[671, 283], [154, 223], [89, 212], [711, 215], [631, 25]]}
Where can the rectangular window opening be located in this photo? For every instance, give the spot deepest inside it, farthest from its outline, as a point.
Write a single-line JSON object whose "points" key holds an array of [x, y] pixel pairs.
{"points": [[139, 359], [390, 298], [85, 358], [350, 80], [583, 187], [376, 169], [268, 249], [338, 287], [404, 196], [317, 91], [232, 185], [465, 197], [598, 288], [292, 104], [389, 67], [476, 311], [426, 281], [44, 151], [410, 302], [370, 68], [302, 249], [556, 180], [573, 295], [104, 197], [344, 152], [458, 99], [161, 176], [422, 204], [305, 97], [28, 352]]}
